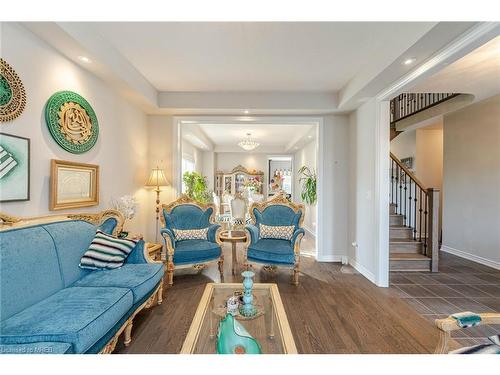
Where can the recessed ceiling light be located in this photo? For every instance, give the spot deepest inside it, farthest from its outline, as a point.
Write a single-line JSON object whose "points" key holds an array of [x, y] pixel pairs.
{"points": [[309, 136], [409, 61], [85, 59], [246, 111]]}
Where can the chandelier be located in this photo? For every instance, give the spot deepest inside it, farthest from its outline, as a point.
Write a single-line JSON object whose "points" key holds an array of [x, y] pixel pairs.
{"points": [[248, 143]]}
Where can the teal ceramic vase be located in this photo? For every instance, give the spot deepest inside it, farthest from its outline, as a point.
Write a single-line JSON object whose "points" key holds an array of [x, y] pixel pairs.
{"points": [[247, 309], [233, 338]]}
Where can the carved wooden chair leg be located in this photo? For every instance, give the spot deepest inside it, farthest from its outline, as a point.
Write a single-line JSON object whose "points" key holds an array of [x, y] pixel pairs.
{"points": [[221, 267], [160, 292], [295, 277], [128, 333], [170, 270]]}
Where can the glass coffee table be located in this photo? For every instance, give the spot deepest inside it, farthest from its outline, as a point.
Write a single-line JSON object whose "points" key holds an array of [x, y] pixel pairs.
{"points": [[269, 327]]}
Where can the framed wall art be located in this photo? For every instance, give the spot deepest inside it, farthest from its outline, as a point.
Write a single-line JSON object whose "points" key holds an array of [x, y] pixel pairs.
{"points": [[14, 168], [12, 94], [73, 185], [72, 122]]}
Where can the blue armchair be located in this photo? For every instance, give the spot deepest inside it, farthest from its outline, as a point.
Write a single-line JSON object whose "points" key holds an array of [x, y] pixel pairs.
{"points": [[276, 212], [187, 214]]}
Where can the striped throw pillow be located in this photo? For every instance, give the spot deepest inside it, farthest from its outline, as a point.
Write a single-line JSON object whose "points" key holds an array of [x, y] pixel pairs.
{"points": [[190, 234], [280, 232], [107, 252]]}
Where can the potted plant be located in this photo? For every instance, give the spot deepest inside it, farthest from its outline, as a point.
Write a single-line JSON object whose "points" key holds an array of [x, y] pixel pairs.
{"points": [[196, 187], [308, 181]]}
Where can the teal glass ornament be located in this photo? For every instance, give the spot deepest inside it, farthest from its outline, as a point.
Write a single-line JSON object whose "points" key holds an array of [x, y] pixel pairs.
{"points": [[233, 338]]}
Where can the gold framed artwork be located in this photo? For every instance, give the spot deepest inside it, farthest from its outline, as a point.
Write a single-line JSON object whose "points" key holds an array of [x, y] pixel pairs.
{"points": [[73, 185]]}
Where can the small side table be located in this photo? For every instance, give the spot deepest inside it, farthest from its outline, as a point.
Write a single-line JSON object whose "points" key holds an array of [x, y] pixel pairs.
{"points": [[233, 236], [154, 250]]}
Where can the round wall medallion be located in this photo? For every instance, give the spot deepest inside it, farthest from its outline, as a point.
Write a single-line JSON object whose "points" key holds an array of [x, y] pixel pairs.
{"points": [[12, 94], [71, 121]]}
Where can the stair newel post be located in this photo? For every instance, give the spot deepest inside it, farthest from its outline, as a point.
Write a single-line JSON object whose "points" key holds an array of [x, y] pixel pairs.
{"points": [[433, 237]]}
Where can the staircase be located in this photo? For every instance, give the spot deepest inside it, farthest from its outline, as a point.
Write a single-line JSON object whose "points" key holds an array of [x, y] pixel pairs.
{"points": [[413, 222], [405, 253]]}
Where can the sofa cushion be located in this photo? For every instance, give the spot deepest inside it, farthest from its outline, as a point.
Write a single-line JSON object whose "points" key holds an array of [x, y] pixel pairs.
{"points": [[279, 232], [139, 278], [72, 239], [73, 315], [191, 234], [29, 269], [37, 348], [195, 251], [107, 252], [271, 251]]}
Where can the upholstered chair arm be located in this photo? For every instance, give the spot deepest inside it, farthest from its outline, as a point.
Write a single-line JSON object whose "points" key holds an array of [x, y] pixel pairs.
{"points": [[169, 238], [212, 232], [254, 232], [296, 235], [137, 255]]}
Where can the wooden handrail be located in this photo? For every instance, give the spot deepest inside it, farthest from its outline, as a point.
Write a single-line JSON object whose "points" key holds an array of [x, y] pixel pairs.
{"points": [[408, 172]]}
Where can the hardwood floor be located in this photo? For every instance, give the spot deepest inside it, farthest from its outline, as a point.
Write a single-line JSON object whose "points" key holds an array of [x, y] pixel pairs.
{"points": [[329, 312]]}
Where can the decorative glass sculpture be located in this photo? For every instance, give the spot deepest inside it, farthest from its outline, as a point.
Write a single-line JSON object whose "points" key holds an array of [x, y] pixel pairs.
{"points": [[247, 309], [233, 338]]}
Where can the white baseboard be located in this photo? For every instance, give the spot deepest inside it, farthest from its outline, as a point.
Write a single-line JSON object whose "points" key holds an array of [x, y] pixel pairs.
{"points": [[469, 256], [362, 270], [332, 258]]}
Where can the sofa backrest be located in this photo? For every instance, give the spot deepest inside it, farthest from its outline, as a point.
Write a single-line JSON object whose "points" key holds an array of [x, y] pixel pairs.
{"points": [[29, 269], [187, 216], [277, 214], [37, 261]]}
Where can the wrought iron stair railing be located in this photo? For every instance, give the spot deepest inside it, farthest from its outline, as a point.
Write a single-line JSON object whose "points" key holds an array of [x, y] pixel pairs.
{"points": [[408, 104], [419, 207]]}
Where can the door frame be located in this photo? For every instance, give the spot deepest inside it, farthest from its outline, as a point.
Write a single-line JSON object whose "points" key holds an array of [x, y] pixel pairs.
{"points": [[275, 120]]}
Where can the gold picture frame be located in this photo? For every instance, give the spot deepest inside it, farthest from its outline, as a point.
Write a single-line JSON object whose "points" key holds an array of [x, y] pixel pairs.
{"points": [[73, 185]]}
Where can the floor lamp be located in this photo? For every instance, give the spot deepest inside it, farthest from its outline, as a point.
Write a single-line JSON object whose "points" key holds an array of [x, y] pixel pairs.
{"points": [[156, 179]]}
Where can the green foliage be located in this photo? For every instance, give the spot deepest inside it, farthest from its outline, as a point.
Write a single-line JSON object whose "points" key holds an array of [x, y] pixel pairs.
{"points": [[308, 181], [196, 187]]}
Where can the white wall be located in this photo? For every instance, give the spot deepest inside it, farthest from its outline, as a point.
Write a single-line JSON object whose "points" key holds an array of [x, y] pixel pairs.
{"points": [[405, 146], [121, 150], [193, 153], [307, 156], [369, 188], [332, 222], [160, 152], [471, 171]]}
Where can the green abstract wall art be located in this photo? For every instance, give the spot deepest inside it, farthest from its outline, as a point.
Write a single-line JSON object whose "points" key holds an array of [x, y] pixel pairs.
{"points": [[72, 122], [14, 168], [12, 94]]}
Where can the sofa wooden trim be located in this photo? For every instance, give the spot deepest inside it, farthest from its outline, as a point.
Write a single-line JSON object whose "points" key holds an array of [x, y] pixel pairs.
{"points": [[9, 222]]}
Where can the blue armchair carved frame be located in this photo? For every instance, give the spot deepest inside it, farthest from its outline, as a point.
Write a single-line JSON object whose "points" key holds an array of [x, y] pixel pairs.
{"points": [[277, 211], [185, 213]]}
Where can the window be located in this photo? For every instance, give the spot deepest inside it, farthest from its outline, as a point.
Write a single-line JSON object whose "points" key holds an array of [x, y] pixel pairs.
{"points": [[187, 166]]}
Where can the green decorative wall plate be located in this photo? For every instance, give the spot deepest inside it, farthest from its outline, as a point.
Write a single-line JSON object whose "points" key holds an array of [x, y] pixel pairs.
{"points": [[12, 94], [71, 121]]}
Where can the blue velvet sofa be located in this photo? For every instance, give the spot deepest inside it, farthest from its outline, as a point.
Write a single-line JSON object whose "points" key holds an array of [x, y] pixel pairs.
{"points": [[185, 213], [277, 211], [50, 305]]}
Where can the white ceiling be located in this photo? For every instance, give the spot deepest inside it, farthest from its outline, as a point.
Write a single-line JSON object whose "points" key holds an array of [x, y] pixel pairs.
{"points": [[477, 73], [272, 137], [252, 56]]}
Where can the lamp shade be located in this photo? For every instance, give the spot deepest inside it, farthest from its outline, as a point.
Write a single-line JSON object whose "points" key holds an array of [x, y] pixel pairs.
{"points": [[157, 178]]}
